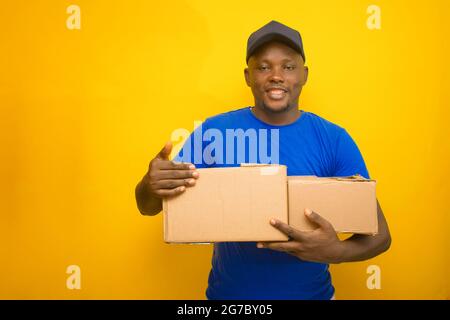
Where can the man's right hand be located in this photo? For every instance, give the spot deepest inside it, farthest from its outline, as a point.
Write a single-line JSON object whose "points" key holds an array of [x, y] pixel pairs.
{"points": [[166, 178]]}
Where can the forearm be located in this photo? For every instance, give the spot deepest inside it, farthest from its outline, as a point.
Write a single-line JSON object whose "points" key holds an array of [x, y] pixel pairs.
{"points": [[363, 247], [146, 202]]}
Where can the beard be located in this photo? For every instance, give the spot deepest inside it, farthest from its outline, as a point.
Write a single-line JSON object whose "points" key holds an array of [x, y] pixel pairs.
{"points": [[285, 108]]}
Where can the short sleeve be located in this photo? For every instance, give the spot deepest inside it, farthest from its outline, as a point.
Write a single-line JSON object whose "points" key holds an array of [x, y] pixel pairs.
{"points": [[348, 159]]}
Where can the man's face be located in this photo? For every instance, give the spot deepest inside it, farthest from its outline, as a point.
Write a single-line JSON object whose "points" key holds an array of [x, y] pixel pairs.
{"points": [[276, 75]]}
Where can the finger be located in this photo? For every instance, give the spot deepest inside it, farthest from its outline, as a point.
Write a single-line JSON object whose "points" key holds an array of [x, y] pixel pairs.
{"points": [[318, 219], [170, 192], [170, 165], [177, 174], [292, 247], [171, 184], [287, 230], [165, 151]]}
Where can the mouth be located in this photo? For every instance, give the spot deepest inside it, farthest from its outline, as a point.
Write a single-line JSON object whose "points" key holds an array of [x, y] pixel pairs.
{"points": [[276, 93]]}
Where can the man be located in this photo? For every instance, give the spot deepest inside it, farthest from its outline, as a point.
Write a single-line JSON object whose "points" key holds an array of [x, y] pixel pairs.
{"points": [[308, 145]]}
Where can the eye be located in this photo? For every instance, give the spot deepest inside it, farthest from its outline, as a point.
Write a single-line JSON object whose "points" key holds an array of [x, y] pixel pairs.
{"points": [[263, 68], [289, 67]]}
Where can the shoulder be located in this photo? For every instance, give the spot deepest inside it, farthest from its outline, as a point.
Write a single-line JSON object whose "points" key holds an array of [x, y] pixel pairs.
{"points": [[322, 122], [323, 126]]}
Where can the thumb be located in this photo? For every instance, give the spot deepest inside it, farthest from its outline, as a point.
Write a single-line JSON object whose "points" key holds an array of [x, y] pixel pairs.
{"points": [[316, 218], [165, 152]]}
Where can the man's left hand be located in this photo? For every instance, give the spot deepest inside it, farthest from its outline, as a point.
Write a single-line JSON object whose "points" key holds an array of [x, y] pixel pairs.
{"points": [[320, 245]]}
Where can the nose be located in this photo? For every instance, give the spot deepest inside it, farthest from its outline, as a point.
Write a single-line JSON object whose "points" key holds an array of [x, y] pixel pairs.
{"points": [[276, 75]]}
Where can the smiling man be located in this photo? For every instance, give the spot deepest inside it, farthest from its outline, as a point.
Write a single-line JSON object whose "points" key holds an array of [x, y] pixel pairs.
{"points": [[308, 145], [276, 73]]}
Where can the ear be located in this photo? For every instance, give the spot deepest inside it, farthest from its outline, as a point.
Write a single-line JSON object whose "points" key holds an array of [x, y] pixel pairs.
{"points": [[305, 75], [247, 76]]}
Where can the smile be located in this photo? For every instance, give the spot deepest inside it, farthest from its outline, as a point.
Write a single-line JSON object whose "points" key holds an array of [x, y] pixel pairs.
{"points": [[276, 94]]}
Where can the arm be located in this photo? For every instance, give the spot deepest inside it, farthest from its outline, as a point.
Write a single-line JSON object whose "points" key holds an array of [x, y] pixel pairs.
{"points": [[362, 247], [323, 245], [146, 202], [164, 178]]}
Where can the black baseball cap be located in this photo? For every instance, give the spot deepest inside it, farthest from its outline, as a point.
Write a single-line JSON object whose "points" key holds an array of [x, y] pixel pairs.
{"points": [[275, 31]]}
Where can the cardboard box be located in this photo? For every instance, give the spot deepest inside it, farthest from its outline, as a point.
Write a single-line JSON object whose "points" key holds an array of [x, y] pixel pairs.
{"points": [[229, 204], [350, 203]]}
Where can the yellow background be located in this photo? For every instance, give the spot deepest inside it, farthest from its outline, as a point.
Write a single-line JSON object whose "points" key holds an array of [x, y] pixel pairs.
{"points": [[84, 111]]}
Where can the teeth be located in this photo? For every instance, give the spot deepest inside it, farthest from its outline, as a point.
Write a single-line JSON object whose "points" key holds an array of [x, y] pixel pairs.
{"points": [[276, 91], [276, 94]]}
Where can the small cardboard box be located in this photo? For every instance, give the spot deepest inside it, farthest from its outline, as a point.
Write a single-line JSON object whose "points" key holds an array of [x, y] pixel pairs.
{"points": [[349, 204], [229, 204]]}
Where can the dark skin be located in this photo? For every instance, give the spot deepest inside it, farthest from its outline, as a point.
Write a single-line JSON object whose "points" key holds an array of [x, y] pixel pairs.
{"points": [[164, 178], [276, 65], [323, 245], [276, 74]]}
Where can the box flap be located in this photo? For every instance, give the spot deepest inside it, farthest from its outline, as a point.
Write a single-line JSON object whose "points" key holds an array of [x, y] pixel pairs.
{"points": [[316, 179], [356, 177]]}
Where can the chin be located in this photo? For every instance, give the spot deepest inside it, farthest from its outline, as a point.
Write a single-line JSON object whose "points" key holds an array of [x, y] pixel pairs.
{"points": [[276, 108]]}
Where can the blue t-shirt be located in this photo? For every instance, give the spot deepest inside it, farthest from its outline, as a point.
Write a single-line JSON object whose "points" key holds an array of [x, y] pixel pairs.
{"points": [[309, 146]]}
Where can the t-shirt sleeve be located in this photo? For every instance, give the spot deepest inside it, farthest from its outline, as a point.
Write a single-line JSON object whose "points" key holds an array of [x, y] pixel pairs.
{"points": [[348, 159]]}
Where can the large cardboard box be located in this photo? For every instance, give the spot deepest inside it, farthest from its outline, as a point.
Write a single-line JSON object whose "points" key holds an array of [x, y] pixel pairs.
{"points": [[349, 204], [229, 204]]}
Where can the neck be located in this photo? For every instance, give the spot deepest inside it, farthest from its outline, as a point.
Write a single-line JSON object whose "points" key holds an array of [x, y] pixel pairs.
{"points": [[277, 119]]}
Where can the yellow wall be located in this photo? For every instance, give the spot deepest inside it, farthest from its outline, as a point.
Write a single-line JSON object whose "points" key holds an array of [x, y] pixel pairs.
{"points": [[84, 111]]}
